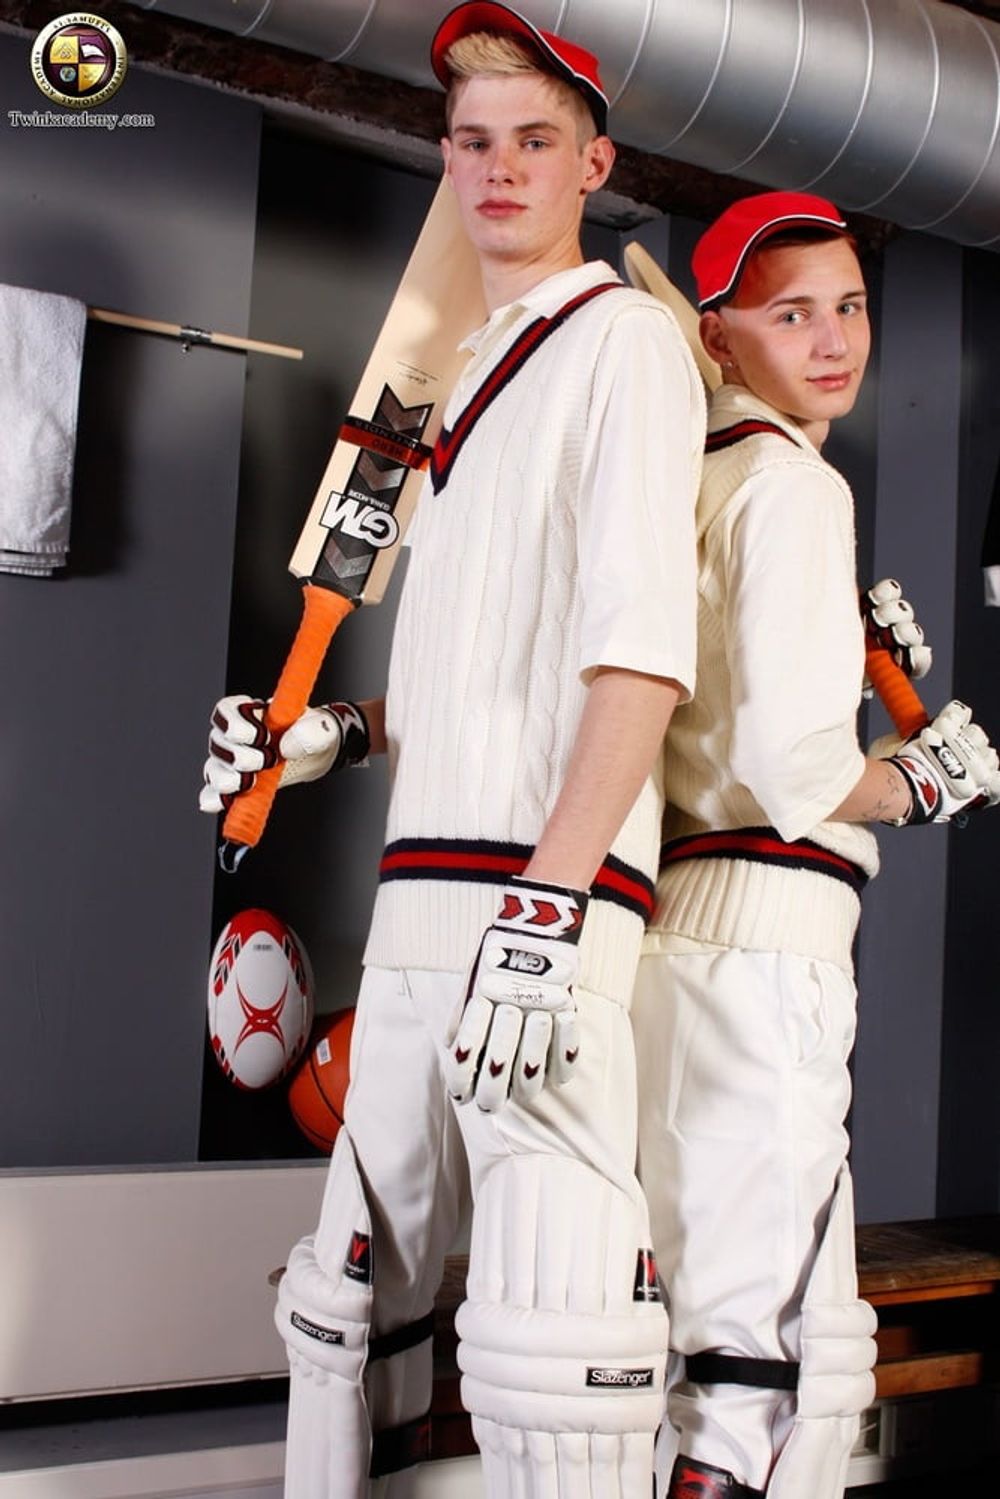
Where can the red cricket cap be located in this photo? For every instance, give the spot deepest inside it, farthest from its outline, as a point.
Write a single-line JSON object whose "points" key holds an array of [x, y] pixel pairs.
{"points": [[721, 254], [576, 65]]}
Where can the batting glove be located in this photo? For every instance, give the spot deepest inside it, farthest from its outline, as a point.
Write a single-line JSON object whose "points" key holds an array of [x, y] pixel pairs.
{"points": [[889, 623], [516, 1029], [240, 746], [950, 767]]}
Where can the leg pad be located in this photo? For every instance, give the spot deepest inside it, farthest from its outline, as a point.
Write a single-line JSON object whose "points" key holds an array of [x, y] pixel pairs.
{"points": [[562, 1354]]}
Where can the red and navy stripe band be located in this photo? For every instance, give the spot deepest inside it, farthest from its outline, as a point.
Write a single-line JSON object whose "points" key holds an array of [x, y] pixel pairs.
{"points": [[764, 846], [750, 427], [480, 861], [451, 440]]}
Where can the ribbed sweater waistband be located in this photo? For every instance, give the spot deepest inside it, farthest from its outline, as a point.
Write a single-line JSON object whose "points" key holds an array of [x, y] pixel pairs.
{"points": [[437, 896], [485, 861], [748, 889], [764, 846]]}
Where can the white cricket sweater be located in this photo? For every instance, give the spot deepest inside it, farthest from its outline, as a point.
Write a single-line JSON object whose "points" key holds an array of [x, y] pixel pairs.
{"points": [[771, 740], [561, 540]]}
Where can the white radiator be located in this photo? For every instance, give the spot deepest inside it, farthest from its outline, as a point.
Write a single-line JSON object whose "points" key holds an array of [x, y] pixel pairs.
{"points": [[229, 1473], [118, 1280]]}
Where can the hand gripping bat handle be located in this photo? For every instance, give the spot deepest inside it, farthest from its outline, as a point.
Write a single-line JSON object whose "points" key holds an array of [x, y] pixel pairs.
{"points": [[322, 612], [898, 695]]}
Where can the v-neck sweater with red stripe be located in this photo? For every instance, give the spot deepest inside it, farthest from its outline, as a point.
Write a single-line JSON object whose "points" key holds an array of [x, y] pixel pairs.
{"points": [[560, 539], [771, 741]]}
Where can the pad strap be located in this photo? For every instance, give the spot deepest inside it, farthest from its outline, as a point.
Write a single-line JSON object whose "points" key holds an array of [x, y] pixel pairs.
{"points": [[731, 1368], [401, 1338], [400, 1447]]}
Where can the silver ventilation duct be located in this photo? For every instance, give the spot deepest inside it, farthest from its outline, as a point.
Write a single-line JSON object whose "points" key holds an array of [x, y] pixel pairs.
{"points": [[890, 107]]}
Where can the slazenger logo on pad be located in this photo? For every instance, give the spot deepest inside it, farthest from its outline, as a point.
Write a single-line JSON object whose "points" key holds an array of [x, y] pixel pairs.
{"points": [[629, 1379], [357, 518], [321, 1334]]}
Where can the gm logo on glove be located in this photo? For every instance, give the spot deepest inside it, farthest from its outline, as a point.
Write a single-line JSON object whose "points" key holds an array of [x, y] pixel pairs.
{"points": [[517, 960]]}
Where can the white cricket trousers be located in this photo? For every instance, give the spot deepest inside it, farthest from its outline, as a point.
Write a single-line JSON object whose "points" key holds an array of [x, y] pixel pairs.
{"points": [[418, 1154], [743, 1092]]}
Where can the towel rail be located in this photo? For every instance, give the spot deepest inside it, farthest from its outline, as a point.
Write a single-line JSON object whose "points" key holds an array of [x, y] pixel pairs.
{"points": [[190, 336]]}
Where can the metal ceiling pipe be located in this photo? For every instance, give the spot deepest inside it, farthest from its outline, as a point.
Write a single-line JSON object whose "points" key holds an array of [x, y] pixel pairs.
{"points": [[890, 107]]}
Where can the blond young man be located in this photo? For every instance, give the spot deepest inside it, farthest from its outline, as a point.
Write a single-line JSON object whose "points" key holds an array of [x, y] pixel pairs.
{"points": [[745, 1005], [545, 632]]}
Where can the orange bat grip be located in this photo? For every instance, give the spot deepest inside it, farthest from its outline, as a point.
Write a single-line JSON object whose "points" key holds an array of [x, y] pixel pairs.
{"points": [[322, 613], [896, 691]]}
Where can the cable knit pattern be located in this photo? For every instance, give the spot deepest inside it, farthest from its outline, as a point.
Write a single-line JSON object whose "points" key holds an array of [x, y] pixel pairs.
{"points": [[771, 739], [513, 593]]}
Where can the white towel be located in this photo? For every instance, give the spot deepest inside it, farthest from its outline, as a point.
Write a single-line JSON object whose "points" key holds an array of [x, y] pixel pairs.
{"points": [[41, 351], [990, 555]]}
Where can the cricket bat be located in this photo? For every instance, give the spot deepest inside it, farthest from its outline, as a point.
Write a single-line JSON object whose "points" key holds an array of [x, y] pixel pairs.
{"points": [[352, 534], [644, 274], [896, 691], [893, 686]]}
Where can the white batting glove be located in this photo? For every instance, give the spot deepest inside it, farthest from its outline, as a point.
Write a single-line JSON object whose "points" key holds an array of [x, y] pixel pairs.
{"points": [[950, 767], [240, 746], [889, 623], [517, 1027]]}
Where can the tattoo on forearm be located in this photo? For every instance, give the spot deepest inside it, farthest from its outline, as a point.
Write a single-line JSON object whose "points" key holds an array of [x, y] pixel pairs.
{"points": [[887, 808]]}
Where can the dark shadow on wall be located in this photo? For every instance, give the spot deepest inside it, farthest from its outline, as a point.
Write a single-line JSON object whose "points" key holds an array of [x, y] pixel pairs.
{"points": [[100, 530], [969, 1156]]}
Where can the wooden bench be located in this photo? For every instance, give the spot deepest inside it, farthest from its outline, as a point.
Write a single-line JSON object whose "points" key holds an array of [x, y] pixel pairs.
{"points": [[934, 1283]]}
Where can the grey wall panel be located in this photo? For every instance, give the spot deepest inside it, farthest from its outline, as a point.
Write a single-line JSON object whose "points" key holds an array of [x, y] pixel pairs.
{"points": [[105, 870], [902, 948], [969, 1161]]}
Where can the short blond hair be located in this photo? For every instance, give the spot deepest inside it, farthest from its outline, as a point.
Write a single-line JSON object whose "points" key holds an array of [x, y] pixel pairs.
{"points": [[488, 54]]}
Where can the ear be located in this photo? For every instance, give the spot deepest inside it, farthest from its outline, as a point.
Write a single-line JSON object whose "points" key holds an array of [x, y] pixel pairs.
{"points": [[446, 155], [598, 159], [715, 337]]}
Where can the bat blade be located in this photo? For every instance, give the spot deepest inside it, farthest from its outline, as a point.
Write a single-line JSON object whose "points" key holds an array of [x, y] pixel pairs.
{"points": [[358, 518], [370, 486], [644, 274]]}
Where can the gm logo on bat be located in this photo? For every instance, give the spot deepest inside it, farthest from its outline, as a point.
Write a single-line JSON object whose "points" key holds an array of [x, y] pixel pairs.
{"points": [[361, 520]]}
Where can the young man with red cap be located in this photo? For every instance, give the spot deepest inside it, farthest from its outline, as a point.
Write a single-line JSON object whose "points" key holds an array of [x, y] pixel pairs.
{"points": [[745, 1005], [545, 632]]}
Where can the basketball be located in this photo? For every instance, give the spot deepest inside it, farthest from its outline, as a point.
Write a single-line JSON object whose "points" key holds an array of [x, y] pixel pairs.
{"points": [[317, 1091]]}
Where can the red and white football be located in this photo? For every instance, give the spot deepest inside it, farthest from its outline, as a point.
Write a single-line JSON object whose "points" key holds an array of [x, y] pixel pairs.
{"points": [[260, 999]]}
